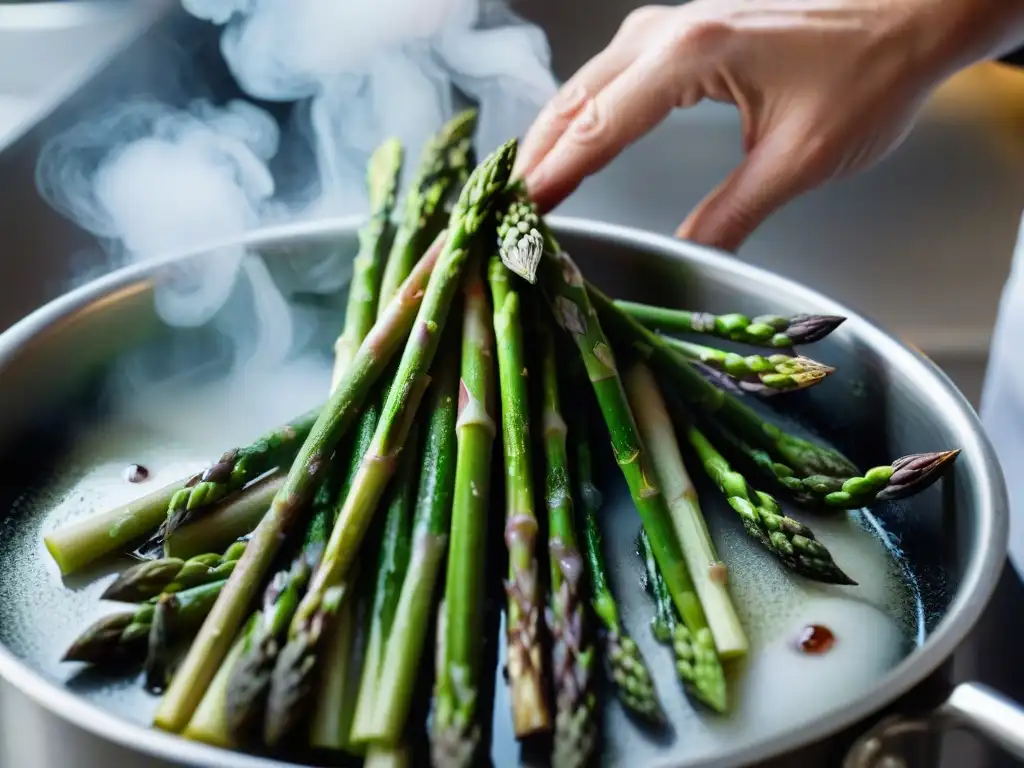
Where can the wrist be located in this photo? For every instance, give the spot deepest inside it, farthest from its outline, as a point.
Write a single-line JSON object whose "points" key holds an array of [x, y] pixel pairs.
{"points": [[955, 34]]}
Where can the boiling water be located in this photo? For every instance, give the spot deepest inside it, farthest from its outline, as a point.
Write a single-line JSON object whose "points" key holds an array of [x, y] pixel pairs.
{"points": [[777, 689]]}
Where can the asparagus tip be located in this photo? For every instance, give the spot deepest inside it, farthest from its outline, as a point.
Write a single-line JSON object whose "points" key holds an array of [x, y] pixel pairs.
{"points": [[807, 329], [142, 581], [912, 474], [101, 642]]}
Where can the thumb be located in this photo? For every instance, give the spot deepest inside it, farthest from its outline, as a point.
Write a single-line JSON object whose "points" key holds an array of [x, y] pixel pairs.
{"points": [[774, 172]]}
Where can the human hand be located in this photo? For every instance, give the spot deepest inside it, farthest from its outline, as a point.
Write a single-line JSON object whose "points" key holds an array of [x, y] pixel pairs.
{"points": [[823, 87]]}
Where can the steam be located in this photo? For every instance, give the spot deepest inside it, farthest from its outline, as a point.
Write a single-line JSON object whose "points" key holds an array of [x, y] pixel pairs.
{"points": [[150, 180]]}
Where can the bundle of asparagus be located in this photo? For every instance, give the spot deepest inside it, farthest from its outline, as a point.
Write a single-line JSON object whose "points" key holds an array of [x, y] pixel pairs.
{"points": [[309, 632]]}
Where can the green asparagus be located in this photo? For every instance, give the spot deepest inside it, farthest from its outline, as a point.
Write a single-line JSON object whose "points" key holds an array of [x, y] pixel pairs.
{"points": [[123, 637], [470, 215], [525, 660], [792, 542], [566, 294], [405, 646], [382, 177], [763, 331], [286, 511], [444, 166], [626, 666], [171, 574], [754, 373], [572, 661], [708, 571], [455, 728], [695, 655]]}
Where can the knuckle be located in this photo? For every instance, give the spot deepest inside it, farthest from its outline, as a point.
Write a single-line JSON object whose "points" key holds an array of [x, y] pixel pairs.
{"points": [[592, 124], [705, 37], [640, 20]]}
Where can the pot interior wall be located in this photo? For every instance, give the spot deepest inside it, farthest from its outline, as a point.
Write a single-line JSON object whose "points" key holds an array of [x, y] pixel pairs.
{"points": [[73, 377]]}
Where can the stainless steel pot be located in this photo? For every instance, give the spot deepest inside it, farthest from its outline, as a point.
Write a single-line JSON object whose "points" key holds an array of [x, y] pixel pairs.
{"points": [[885, 401]]}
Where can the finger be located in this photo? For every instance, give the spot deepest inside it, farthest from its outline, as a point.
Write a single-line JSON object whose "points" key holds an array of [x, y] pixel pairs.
{"points": [[775, 172], [632, 104], [556, 116]]}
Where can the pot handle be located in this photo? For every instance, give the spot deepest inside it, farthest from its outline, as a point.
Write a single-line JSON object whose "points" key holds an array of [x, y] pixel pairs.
{"points": [[972, 706]]}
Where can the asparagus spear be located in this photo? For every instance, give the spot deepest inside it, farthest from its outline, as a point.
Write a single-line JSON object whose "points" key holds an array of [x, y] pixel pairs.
{"points": [[250, 682], [209, 724], [626, 666], [382, 177], [234, 470], [563, 288], [123, 637], [791, 541], [822, 473], [754, 373], [405, 645], [455, 730], [444, 165], [316, 609], [763, 331], [83, 542], [525, 661], [392, 564], [692, 652], [172, 574], [572, 654], [212, 643], [709, 572], [232, 519]]}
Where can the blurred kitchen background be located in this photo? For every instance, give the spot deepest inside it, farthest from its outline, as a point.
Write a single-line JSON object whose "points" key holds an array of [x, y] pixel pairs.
{"points": [[921, 244]]}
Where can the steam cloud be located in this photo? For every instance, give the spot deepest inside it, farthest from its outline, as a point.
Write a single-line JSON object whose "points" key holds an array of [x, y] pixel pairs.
{"points": [[150, 180]]}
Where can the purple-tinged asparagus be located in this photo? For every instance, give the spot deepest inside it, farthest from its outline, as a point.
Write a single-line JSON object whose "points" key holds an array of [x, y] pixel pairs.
{"points": [[626, 666], [762, 331], [710, 574], [286, 511], [572, 655], [567, 297], [530, 712], [455, 728], [756, 374]]}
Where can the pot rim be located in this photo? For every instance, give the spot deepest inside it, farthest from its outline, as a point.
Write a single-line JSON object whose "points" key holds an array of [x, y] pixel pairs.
{"points": [[975, 589]]}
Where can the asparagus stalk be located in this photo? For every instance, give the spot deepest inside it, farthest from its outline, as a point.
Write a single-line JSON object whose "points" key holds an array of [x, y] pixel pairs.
{"points": [[172, 574], [444, 165], [792, 542], [209, 723], [695, 654], [382, 177], [123, 637], [232, 519], [212, 643], [821, 474], [563, 288], [626, 666], [755, 373], [235, 469], [405, 645], [316, 609], [455, 730], [709, 572], [525, 660], [392, 564], [83, 542], [572, 654], [762, 331]]}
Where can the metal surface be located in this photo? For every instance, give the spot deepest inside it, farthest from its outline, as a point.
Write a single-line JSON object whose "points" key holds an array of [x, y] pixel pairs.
{"points": [[884, 401]]}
